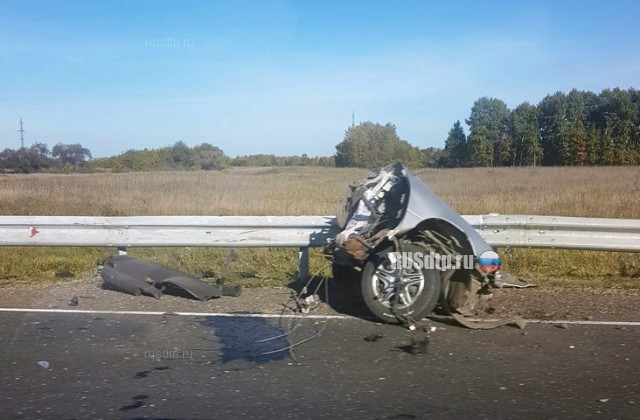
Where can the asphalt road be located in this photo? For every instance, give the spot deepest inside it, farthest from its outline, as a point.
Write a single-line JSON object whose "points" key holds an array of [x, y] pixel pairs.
{"points": [[137, 366]]}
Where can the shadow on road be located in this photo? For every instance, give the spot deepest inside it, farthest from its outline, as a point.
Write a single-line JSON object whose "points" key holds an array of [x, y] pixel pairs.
{"points": [[248, 339], [343, 296]]}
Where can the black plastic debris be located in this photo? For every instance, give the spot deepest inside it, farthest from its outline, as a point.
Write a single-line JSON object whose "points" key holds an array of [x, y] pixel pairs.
{"points": [[419, 343], [373, 337], [73, 301], [135, 276]]}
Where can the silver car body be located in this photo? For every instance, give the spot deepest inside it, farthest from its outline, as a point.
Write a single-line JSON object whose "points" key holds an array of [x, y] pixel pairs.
{"points": [[397, 202]]}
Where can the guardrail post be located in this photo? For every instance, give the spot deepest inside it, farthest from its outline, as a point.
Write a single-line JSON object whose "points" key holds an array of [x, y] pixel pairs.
{"points": [[303, 264]]}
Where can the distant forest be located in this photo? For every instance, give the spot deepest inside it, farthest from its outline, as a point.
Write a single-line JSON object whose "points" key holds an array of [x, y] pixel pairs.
{"points": [[575, 129]]}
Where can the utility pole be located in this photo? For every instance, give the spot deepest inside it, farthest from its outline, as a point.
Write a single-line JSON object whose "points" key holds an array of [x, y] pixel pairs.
{"points": [[353, 119], [21, 131]]}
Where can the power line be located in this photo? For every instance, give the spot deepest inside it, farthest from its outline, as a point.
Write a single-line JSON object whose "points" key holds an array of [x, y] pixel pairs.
{"points": [[21, 131]]}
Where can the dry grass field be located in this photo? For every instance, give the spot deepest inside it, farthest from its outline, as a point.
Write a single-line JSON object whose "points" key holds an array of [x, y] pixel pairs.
{"points": [[596, 192]]}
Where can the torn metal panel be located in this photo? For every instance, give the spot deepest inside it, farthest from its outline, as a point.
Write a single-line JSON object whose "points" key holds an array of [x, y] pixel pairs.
{"points": [[137, 276]]}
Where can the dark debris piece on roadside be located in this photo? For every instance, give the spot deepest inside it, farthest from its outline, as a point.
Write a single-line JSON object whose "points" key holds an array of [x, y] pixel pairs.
{"points": [[373, 337], [135, 276], [419, 342]]}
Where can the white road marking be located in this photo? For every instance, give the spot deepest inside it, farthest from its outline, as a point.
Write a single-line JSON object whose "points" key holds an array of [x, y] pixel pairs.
{"points": [[156, 313], [556, 321], [565, 321], [259, 315]]}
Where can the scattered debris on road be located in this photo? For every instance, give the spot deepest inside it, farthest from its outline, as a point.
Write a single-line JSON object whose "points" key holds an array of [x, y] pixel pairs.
{"points": [[504, 280], [419, 342], [373, 337]]}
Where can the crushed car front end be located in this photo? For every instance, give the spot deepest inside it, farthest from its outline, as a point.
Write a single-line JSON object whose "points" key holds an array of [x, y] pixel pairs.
{"points": [[405, 245]]}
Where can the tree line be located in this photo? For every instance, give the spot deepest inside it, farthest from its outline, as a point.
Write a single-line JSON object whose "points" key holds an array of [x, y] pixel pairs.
{"points": [[370, 145], [365, 145], [575, 129], [76, 158], [179, 156], [273, 160], [201, 157], [38, 158]]}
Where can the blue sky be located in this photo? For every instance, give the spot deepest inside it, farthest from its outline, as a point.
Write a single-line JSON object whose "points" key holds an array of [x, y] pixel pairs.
{"points": [[283, 77]]}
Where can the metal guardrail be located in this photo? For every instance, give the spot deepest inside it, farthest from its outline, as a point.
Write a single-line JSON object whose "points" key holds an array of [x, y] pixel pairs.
{"points": [[300, 232], [589, 233], [166, 231]]}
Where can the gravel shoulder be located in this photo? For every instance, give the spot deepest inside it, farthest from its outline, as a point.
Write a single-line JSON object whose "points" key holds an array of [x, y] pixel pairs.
{"points": [[584, 303]]}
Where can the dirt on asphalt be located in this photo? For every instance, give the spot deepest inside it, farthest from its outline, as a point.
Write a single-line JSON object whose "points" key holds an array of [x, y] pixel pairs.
{"points": [[572, 303]]}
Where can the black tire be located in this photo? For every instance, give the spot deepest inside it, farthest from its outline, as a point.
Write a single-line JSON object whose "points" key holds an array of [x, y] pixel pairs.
{"points": [[379, 295]]}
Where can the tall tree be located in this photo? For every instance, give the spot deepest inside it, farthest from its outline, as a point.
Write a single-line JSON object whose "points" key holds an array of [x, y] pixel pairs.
{"points": [[573, 135], [432, 157], [208, 157], [592, 145], [635, 100], [526, 135], [70, 154], [489, 132], [370, 145], [620, 114], [503, 153], [480, 147], [552, 120], [579, 134], [607, 149], [456, 151], [39, 157], [181, 155]]}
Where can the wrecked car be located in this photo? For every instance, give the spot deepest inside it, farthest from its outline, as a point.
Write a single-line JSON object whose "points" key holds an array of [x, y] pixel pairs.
{"points": [[392, 214]]}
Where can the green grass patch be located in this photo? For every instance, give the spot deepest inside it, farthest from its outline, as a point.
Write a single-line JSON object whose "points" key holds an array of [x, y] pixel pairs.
{"points": [[278, 267], [253, 267], [570, 263]]}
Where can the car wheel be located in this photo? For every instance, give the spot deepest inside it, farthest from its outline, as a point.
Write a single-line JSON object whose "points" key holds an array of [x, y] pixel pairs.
{"points": [[418, 294]]}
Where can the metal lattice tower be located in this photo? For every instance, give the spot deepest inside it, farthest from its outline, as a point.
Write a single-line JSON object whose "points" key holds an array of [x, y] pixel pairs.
{"points": [[21, 131]]}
